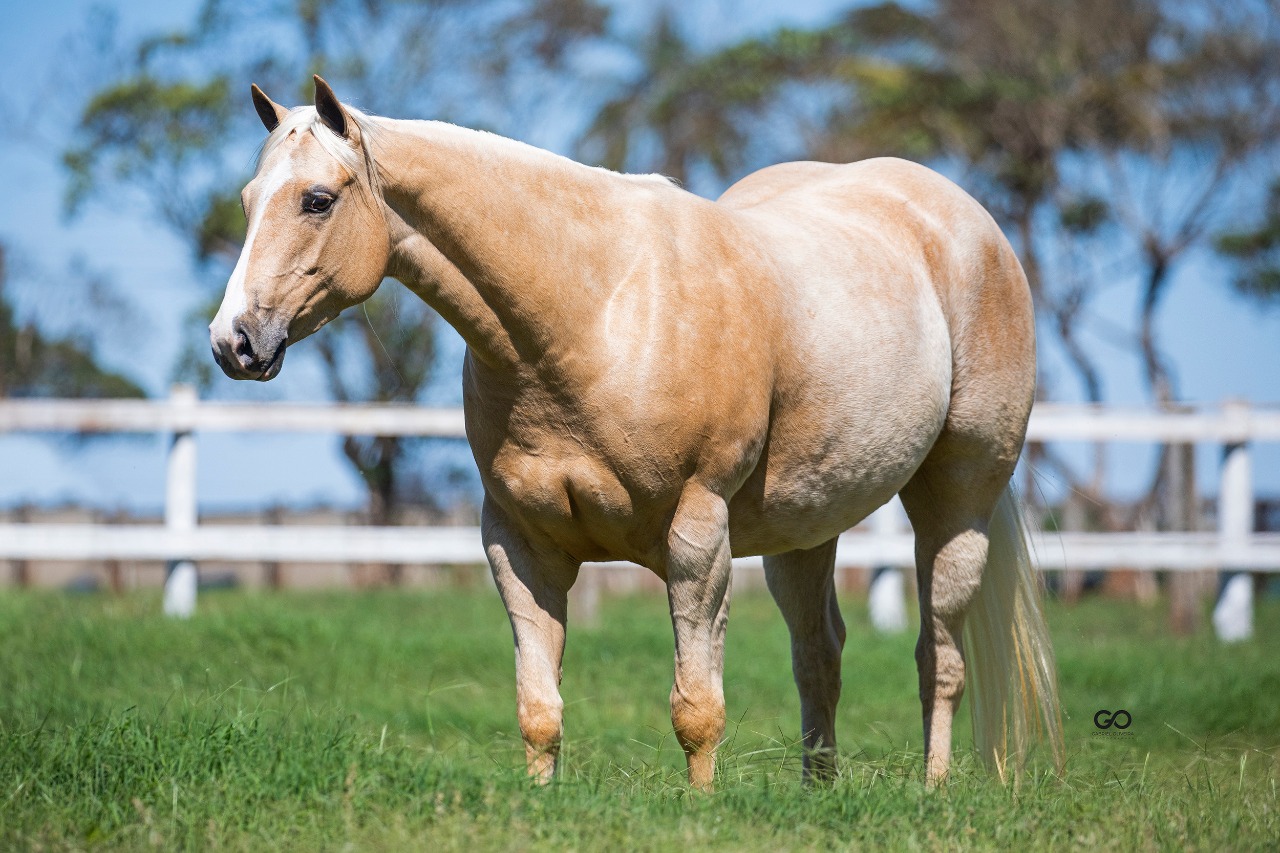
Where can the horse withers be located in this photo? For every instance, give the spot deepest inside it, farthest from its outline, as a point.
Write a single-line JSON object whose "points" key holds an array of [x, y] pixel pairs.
{"points": [[654, 377]]}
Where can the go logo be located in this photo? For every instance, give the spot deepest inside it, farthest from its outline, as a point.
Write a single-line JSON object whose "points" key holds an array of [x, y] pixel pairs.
{"points": [[1105, 719]]}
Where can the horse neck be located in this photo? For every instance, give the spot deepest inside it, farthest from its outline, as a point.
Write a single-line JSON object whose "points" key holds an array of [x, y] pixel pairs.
{"points": [[516, 247]]}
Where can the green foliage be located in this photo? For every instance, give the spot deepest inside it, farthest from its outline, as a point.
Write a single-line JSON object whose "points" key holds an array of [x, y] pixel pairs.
{"points": [[134, 127], [1257, 249], [33, 364], [1010, 87], [688, 109], [221, 230], [155, 116], [387, 721], [1083, 215], [556, 26]]}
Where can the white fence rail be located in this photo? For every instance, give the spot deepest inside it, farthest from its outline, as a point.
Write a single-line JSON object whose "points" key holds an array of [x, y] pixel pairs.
{"points": [[1235, 545], [461, 546]]}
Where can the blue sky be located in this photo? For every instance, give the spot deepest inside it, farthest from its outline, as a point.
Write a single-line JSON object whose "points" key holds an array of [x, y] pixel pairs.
{"points": [[1223, 346]]}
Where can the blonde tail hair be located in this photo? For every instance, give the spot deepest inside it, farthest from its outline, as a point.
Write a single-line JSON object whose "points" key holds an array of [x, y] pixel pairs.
{"points": [[1012, 680]]}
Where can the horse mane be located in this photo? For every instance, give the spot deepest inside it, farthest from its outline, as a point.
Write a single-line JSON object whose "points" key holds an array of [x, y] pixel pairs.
{"points": [[361, 162]]}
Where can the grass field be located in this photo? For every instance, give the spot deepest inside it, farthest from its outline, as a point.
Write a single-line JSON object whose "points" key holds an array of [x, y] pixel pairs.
{"points": [[386, 721]]}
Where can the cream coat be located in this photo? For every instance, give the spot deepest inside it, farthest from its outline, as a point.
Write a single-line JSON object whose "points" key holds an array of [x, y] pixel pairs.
{"points": [[659, 378]]}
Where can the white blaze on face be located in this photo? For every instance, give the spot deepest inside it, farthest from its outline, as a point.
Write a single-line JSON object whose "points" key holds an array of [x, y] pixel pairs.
{"points": [[235, 300]]}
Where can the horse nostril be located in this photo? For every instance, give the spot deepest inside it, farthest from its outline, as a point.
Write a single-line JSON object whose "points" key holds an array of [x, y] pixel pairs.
{"points": [[242, 347]]}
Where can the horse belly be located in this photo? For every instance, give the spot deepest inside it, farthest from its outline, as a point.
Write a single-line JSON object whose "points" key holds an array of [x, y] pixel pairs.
{"points": [[811, 502]]}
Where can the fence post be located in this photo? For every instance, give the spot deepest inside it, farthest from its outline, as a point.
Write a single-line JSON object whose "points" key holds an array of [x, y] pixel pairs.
{"points": [[114, 570], [1233, 615], [180, 502], [21, 568], [1073, 518], [272, 574], [1187, 589], [886, 599]]}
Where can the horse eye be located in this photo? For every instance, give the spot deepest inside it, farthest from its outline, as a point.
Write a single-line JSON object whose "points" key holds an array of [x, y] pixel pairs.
{"points": [[316, 202]]}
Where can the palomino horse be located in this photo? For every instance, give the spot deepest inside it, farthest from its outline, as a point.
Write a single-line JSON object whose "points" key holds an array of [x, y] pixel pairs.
{"points": [[654, 377]]}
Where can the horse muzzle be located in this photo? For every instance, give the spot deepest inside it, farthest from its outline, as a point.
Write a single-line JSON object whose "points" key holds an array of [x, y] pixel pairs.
{"points": [[252, 350]]}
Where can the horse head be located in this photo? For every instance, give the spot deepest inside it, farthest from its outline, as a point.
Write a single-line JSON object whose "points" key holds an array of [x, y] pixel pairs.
{"points": [[317, 240]]}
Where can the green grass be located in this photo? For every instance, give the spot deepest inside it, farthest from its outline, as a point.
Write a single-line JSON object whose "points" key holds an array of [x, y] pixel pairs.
{"points": [[386, 721]]}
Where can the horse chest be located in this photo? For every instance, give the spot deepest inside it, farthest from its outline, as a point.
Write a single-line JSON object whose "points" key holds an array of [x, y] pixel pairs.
{"points": [[571, 500], [599, 476]]}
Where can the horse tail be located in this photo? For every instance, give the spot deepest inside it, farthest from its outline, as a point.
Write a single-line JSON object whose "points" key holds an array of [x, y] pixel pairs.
{"points": [[1013, 686]]}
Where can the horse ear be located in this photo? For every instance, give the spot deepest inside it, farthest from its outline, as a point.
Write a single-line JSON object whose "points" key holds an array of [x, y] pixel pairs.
{"points": [[327, 106], [268, 110]]}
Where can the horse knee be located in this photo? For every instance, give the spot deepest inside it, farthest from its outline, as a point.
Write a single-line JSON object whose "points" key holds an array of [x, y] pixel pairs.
{"points": [[698, 720]]}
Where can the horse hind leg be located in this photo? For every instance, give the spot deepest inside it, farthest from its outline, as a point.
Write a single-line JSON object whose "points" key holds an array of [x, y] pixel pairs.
{"points": [[949, 501], [803, 585]]}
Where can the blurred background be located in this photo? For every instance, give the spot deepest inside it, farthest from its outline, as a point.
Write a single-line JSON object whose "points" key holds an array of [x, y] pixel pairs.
{"points": [[1127, 147]]}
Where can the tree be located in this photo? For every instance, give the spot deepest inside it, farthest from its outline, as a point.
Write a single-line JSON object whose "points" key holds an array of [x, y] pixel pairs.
{"points": [[33, 364], [686, 112]]}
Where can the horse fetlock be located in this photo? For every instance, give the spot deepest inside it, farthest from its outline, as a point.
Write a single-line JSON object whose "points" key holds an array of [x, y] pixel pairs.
{"points": [[699, 722], [818, 730], [938, 719], [541, 726], [819, 763], [542, 762]]}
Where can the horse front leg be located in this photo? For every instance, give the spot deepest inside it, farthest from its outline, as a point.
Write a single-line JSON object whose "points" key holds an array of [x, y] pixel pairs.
{"points": [[534, 585], [698, 576]]}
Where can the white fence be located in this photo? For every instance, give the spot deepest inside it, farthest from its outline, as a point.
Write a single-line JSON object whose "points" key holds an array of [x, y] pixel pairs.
{"points": [[1233, 546]]}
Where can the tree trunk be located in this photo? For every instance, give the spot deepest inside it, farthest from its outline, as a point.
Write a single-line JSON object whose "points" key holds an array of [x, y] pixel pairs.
{"points": [[376, 459], [1173, 489]]}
